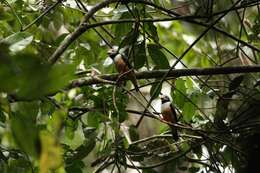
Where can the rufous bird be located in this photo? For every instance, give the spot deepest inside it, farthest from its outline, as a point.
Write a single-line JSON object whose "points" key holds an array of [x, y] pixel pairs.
{"points": [[122, 66], [169, 115]]}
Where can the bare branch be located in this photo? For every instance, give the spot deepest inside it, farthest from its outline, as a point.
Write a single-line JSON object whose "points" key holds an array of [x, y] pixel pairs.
{"points": [[173, 73]]}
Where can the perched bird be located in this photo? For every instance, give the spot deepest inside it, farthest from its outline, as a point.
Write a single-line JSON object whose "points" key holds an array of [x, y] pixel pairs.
{"points": [[169, 114], [122, 66]]}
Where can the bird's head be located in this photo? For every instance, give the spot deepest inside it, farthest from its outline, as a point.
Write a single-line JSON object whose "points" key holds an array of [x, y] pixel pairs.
{"points": [[164, 99], [112, 52]]}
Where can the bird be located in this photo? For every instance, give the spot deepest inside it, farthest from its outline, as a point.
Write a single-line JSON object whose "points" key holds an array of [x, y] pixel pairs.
{"points": [[122, 66], [169, 114]]}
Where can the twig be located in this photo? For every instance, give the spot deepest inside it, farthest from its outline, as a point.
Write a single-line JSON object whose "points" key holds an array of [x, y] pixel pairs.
{"points": [[41, 16]]}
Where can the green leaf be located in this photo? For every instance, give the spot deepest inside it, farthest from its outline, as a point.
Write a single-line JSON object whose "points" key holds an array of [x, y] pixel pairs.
{"points": [[158, 56], [155, 89], [139, 55], [75, 167], [134, 135], [122, 29], [152, 30], [19, 41], [82, 151], [93, 119], [188, 111], [179, 93], [51, 152], [20, 165], [23, 126]]}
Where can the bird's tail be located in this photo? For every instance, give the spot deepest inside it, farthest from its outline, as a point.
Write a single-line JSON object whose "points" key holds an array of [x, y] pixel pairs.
{"points": [[174, 133], [134, 81]]}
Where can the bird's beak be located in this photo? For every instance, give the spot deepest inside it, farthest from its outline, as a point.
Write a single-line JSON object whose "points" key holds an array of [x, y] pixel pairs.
{"points": [[161, 96], [110, 51]]}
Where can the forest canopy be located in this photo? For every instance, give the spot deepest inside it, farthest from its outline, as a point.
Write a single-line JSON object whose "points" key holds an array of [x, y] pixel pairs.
{"points": [[85, 86]]}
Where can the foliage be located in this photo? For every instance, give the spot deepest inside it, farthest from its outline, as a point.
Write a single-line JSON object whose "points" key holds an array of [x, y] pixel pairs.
{"points": [[65, 116]]}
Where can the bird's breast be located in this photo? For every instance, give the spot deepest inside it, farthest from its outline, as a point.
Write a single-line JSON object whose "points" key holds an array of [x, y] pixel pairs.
{"points": [[120, 64]]}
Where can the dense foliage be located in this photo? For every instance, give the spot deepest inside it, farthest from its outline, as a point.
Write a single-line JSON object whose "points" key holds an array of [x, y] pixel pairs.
{"points": [[62, 108]]}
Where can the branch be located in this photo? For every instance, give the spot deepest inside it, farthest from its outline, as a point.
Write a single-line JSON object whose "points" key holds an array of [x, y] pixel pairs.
{"points": [[173, 73], [79, 30]]}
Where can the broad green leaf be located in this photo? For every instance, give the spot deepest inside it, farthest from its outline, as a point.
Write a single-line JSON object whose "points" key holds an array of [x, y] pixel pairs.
{"points": [[83, 150], [122, 29], [19, 41], [158, 57], [56, 121], [179, 93], [155, 90], [23, 126], [93, 119], [51, 153], [188, 111], [152, 30], [75, 167], [139, 55]]}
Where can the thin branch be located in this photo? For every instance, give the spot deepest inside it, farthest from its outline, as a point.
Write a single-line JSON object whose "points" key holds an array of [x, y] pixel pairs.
{"points": [[79, 30], [42, 15]]}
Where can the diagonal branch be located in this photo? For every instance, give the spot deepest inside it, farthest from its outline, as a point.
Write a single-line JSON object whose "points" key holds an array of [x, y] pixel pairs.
{"points": [[79, 30]]}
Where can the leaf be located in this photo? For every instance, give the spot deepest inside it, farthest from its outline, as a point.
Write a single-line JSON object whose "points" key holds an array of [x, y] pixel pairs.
{"points": [[122, 29], [134, 135], [235, 83], [93, 119], [158, 56], [23, 126], [155, 90], [19, 41], [51, 155], [75, 167], [152, 30], [139, 55], [19, 165], [179, 93], [188, 111], [83, 150], [56, 121]]}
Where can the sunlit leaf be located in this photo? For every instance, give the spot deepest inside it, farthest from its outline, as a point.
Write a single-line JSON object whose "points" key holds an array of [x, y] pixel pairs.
{"points": [[51, 153], [179, 93], [19, 41], [188, 111]]}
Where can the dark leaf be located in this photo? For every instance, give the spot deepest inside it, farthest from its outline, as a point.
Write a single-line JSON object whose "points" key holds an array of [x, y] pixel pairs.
{"points": [[152, 30], [235, 83], [155, 90], [134, 135], [139, 55], [158, 57]]}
